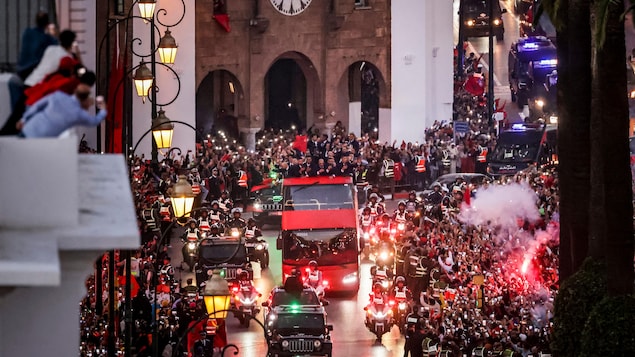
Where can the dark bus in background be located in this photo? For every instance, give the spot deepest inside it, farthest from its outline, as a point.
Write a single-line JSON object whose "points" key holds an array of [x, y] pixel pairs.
{"points": [[531, 60], [522, 146], [476, 21]]}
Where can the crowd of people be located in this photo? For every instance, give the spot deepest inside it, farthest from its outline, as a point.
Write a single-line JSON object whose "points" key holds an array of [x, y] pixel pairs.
{"points": [[513, 312]]}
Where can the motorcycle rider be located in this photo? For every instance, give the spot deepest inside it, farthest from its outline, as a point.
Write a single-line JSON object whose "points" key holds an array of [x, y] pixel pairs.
{"points": [[412, 202], [244, 281], [401, 215], [236, 221], [401, 291], [315, 279], [378, 295], [381, 272], [192, 231], [204, 221], [376, 208], [216, 214], [215, 230], [436, 196], [366, 222], [252, 232]]}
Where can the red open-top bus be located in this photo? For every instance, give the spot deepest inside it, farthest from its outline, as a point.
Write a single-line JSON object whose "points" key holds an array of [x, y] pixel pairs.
{"points": [[319, 222]]}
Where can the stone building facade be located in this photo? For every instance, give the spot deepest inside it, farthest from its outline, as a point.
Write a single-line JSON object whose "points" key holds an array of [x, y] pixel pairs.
{"points": [[323, 52]]}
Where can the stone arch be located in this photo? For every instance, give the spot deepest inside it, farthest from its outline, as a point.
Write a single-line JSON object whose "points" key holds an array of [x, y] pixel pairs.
{"points": [[357, 82], [219, 103], [310, 102]]}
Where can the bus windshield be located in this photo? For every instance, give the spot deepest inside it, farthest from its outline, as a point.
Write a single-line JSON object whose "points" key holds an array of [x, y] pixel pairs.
{"points": [[327, 246], [510, 153], [318, 197]]}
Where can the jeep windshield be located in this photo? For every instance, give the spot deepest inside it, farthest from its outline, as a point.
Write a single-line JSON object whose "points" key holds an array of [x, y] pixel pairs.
{"points": [[298, 322], [218, 253], [514, 153], [285, 298], [326, 246], [318, 197]]}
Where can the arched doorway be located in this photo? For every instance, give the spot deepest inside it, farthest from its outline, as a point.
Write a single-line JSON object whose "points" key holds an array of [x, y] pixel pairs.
{"points": [[293, 94], [285, 99], [365, 84], [219, 103]]}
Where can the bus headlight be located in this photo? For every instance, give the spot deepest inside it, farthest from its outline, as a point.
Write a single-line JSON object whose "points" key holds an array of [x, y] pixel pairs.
{"points": [[350, 278]]}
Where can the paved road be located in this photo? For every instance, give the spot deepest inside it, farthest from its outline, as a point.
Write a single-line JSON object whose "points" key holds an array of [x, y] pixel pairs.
{"points": [[350, 336]]}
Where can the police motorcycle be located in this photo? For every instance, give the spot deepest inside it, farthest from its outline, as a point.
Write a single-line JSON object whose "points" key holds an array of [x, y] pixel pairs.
{"points": [[313, 278], [191, 238], [400, 301], [379, 315], [383, 248], [257, 248], [245, 299], [366, 224]]}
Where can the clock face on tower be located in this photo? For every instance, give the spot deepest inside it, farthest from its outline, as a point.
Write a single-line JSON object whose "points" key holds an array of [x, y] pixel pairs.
{"points": [[290, 7]]}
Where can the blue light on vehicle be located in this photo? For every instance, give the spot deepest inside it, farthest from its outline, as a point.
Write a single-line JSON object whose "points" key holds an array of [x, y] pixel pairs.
{"points": [[552, 62], [518, 126], [530, 46]]}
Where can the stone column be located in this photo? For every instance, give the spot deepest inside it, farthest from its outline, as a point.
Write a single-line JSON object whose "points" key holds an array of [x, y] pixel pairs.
{"points": [[249, 137]]}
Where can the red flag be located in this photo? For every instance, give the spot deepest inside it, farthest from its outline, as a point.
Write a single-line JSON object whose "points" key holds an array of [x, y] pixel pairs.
{"points": [[467, 195], [114, 121], [134, 286], [223, 21], [300, 143]]}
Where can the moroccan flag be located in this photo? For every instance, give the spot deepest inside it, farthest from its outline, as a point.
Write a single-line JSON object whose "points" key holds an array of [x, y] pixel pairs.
{"points": [[220, 14], [134, 286]]}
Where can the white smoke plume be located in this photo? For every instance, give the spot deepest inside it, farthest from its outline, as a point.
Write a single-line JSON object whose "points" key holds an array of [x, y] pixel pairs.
{"points": [[501, 206]]}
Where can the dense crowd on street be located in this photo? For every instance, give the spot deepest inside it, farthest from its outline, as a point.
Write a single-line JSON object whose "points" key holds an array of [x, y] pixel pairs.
{"points": [[515, 307]]}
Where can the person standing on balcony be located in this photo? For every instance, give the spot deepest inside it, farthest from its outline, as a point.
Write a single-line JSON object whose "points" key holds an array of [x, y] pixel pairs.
{"points": [[35, 40]]}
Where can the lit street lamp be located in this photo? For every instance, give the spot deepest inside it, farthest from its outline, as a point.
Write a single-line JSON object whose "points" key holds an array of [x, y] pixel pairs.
{"points": [[217, 296], [182, 198], [162, 130]]}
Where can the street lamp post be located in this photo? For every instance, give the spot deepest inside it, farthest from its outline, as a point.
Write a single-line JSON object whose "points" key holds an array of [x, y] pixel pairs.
{"points": [[490, 74]]}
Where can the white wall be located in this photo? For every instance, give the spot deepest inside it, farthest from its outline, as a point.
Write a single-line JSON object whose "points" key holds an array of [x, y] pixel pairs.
{"points": [[184, 107], [421, 66], [355, 118]]}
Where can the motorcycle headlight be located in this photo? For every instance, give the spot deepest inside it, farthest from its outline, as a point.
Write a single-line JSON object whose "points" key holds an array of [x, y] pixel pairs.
{"points": [[235, 233], [204, 234], [379, 315], [384, 284], [285, 344], [366, 235], [191, 246], [402, 306], [383, 255], [247, 301], [401, 226], [260, 246], [317, 344]]}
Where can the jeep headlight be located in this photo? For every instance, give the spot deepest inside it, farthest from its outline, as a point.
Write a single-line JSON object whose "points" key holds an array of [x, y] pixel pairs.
{"points": [[470, 23], [497, 22], [257, 206], [317, 344], [285, 344]]}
